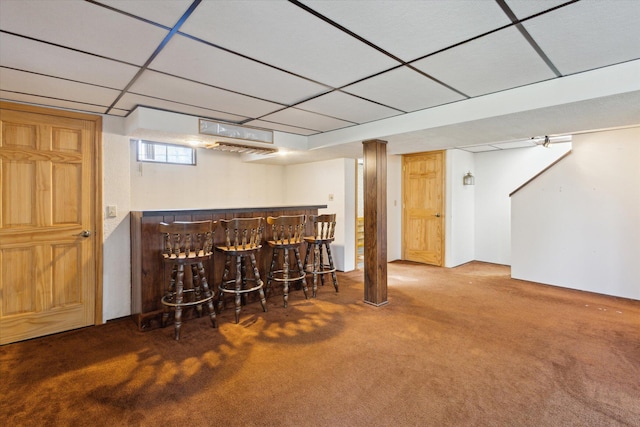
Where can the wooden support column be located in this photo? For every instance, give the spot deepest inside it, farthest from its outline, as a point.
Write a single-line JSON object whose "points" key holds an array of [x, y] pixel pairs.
{"points": [[375, 222]]}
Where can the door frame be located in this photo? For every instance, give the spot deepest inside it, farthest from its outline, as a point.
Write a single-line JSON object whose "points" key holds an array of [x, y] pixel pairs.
{"points": [[96, 202]]}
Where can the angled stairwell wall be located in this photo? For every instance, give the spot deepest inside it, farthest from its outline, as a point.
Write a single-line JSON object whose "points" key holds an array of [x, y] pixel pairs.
{"points": [[577, 225]]}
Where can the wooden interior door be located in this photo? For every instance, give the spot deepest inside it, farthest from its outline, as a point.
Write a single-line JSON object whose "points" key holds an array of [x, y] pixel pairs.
{"points": [[423, 207], [50, 227]]}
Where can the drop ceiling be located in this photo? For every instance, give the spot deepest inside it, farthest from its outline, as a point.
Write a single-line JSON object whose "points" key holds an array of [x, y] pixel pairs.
{"points": [[323, 69]]}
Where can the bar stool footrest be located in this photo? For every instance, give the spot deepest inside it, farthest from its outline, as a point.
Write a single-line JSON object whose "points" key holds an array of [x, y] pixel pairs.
{"points": [[324, 270], [187, 303], [223, 288], [292, 278]]}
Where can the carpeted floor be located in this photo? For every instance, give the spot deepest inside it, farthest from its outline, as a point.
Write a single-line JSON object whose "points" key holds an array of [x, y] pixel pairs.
{"points": [[454, 347]]}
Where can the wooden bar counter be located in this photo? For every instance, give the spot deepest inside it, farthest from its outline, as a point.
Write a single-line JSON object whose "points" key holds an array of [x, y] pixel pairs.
{"points": [[148, 278]]}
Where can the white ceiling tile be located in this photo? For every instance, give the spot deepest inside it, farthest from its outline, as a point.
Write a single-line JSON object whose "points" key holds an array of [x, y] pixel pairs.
{"points": [[160, 11], [160, 85], [83, 26], [280, 127], [130, 101], [347, 107], [404, 89], [498, 61], [410, 29], [197, 61], [479, 148], [281, 33], [28, 55], [51, 87], [525, 8], [50, 102], [119, 113], [306, 119], [588, 34], [514, 144]]}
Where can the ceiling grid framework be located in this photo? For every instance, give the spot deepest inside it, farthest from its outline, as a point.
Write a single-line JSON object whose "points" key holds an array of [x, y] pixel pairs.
{"points": [[304, 67]]}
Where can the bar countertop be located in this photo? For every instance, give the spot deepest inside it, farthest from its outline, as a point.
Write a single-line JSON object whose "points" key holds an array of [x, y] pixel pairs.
{"points": [[168, 212]]}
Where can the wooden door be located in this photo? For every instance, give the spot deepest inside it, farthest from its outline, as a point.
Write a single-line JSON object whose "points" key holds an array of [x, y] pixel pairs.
{"points": [[50, 227], [423, 207]]}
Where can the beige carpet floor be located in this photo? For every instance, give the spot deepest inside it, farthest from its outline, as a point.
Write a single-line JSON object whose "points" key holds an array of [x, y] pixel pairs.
{"points": [[467, 346]]}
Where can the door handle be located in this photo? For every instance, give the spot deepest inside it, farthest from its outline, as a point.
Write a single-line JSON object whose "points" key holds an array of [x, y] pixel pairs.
{"points": [[84, 233], [437, 215]]}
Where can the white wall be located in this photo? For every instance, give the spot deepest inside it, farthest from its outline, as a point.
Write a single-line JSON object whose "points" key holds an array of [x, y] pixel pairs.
{"points": [[477, 218], [497, 174], [345, 254], [459, 209], [314, 184], [394, 207], [578, 224], [219, 180], [116, 278]]}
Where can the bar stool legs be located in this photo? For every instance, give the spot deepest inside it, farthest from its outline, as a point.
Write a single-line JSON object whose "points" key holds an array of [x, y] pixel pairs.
{"points": [[286, 233], [240, 283], [286, 272], [323, 234], [200, 279], [242, 239], [175, 296], [318, 266], [187, 243]]}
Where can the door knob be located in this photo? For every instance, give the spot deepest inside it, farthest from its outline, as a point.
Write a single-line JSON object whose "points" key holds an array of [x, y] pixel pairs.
{"points": [[437, 215], [84, 233]]}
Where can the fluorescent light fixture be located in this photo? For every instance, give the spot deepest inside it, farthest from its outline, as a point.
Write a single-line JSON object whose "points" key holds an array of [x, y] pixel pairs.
{"points": [[209, 127], [240, 148]]}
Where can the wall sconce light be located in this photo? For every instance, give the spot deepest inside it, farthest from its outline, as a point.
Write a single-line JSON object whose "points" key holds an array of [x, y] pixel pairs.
{"points": [[468, 179]]}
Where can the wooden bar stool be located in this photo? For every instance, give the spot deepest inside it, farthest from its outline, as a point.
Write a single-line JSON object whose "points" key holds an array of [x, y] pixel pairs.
{"points": [[243, 238], [323, 228], [187, 243], [287, 233]]}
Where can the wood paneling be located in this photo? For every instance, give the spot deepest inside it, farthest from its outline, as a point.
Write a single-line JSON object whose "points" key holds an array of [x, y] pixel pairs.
{"points": [[375, 222]]}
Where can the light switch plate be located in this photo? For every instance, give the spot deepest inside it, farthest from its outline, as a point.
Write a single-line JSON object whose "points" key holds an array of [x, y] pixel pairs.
{"points": [[112, 211]]}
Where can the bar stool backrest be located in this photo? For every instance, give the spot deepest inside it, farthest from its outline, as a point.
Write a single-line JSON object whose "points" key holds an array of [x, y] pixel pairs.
{"points": [[324, 226], [242, 233], [182, 239], [287, 229]]}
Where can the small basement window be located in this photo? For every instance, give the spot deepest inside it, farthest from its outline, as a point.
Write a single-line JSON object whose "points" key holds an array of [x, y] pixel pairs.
{"points": [[160, 152]]}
